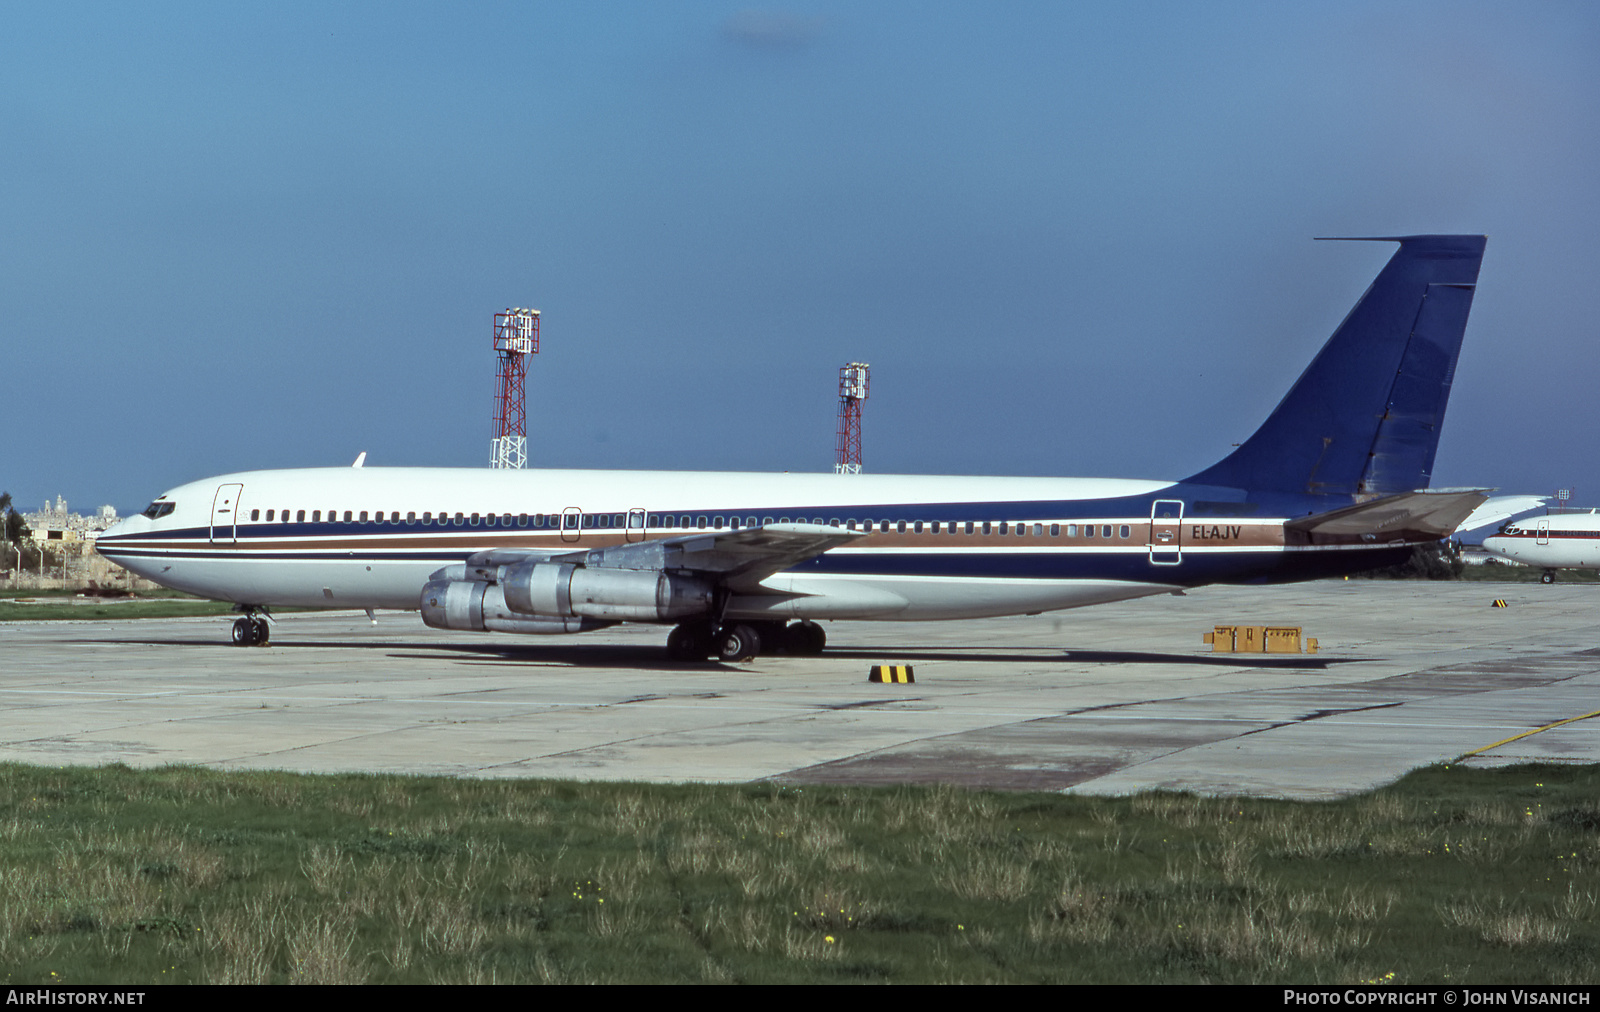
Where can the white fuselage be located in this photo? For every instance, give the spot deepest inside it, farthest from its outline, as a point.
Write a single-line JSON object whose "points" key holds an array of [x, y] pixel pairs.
{"points": [[1557, 541], [939, 547]]}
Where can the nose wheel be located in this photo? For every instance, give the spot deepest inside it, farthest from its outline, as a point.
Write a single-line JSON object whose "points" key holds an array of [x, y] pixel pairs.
{"points": [[251, 631]]}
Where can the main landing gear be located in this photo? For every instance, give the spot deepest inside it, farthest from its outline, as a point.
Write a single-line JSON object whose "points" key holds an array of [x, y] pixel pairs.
{"points": [[742, 641], [252, 630], [1549, 576]]}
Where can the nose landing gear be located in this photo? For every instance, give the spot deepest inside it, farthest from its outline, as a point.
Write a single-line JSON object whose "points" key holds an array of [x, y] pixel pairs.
{"points": [[252, 630]]}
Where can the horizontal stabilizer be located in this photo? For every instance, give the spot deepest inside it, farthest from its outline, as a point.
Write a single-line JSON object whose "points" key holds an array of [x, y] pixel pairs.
{"points": [[1409, 516]]}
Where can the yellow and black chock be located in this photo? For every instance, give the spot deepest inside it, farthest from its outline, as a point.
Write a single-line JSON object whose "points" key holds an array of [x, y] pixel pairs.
{"points": [[900, 673]]}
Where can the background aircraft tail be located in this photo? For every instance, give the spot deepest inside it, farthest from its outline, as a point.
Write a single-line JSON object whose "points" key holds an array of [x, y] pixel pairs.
{"points": [[1365, 415]]}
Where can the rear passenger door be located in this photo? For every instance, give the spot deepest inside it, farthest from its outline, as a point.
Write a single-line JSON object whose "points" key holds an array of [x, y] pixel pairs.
{"points": [[1166, 532]]}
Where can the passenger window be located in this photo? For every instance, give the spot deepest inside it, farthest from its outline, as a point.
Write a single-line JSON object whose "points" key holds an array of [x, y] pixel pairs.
{"points": [[460, 519], [1088, 530], [363, 516], [986, 528], [1123, 531], [1105, 532], [1004, 528], [300, 516], [900, 528], [1055, 530], [1038, 530], [1072, 530], [270, 514], [316, 516], [969, 526], [917, 527], [255, 514]]}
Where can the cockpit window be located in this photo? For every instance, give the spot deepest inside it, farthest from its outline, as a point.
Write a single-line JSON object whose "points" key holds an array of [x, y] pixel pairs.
{"points": [[159, 509]]}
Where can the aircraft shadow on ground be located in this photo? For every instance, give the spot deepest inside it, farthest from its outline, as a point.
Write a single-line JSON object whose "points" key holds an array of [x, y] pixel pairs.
{"points": [[1035, 655], [598, 655]]}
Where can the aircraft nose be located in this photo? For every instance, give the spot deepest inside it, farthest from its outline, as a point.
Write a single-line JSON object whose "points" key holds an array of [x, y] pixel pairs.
{"points": [[110, 534]]}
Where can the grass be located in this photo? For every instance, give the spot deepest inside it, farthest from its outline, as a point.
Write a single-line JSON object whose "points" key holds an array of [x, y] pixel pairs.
{"points": [[190, 875], [93, 609], [58, 605]]}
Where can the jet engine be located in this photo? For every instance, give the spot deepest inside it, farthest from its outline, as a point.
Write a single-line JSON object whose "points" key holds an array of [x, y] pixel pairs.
{"points": [[549, 597]]}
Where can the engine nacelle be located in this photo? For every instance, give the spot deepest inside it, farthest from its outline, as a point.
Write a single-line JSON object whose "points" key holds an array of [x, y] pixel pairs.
{"points": [[477, 606], [619, 595]]}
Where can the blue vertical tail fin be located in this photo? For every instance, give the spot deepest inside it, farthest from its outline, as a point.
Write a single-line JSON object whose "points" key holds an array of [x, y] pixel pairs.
{"points": [[1364, 417]]}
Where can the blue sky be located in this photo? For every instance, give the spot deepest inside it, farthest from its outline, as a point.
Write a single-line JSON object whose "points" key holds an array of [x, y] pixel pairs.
{"points": [[1070, 238]]}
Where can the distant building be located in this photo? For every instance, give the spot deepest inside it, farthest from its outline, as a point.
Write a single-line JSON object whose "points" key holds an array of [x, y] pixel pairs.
{"points": [[56, 523]]}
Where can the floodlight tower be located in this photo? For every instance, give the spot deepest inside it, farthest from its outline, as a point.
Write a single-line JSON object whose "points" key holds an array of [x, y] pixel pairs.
{"points": [[854, 380], [516, 336]]}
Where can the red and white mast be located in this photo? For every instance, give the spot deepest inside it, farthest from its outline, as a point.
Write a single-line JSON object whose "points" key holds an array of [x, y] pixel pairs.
{"points": [[516, 336], [854, 380]]}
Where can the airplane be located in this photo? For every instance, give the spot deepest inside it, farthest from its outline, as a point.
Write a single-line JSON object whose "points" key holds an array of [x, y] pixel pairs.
{"points": [[1558, 541], [1335, 481]]}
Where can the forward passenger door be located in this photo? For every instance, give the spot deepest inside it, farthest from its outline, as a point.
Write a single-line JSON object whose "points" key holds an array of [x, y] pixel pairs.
{"points": [[225, 514]]}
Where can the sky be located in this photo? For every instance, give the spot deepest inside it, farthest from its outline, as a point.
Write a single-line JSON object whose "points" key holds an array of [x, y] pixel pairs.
{"points": [[1070, 238]]}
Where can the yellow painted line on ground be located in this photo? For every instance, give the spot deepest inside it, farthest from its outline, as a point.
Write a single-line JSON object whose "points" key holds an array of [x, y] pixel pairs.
{"points": [[1507, 741]]}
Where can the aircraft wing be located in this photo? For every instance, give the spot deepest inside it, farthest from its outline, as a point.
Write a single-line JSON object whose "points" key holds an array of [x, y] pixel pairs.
{"points": [[739, 559], [1409, 516]]}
